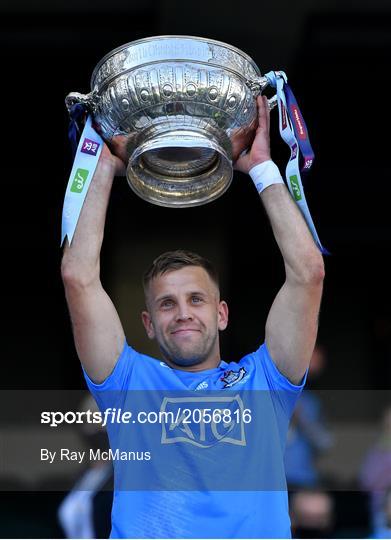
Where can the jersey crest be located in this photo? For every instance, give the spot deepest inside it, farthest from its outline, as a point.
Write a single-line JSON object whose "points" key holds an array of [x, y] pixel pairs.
{"points": [[232, 377]]}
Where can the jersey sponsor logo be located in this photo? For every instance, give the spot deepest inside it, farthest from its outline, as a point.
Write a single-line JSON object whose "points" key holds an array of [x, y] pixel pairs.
{"points": [[204, 421], [233, 377]]}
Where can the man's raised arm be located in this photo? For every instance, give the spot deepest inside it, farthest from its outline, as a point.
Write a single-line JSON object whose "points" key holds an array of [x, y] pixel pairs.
{"points": [[97, 330], [292, 323]]}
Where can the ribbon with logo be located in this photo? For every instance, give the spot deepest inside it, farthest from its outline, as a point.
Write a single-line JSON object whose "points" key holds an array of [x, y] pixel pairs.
{"points": [[293, 131], [84, 165]]}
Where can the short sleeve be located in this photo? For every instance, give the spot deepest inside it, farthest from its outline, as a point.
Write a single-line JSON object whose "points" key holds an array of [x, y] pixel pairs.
{"points": [[285, 393], [113, 388]]}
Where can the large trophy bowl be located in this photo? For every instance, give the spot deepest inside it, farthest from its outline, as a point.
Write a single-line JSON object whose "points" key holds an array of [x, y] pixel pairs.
{"points": [[179, 110]]}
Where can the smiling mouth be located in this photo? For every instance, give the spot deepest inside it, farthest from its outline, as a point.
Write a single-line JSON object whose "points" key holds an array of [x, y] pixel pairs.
{"points": [[184, 330]]}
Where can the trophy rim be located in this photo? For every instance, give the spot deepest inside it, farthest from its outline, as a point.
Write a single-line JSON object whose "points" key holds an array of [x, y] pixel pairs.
{"points": [[179, 204], [172, 36]]}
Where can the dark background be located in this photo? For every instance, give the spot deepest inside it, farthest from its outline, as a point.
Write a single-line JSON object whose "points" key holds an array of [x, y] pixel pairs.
{"points": [[337, 58]]}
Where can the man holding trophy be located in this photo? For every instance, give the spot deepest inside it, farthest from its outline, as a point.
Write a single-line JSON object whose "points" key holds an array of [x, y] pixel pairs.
{"points": [[184, 314]]}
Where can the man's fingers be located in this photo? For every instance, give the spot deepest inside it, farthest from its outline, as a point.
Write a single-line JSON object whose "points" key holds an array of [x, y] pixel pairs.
{"points": [[263, 116], [267, 112], [120, 168]]}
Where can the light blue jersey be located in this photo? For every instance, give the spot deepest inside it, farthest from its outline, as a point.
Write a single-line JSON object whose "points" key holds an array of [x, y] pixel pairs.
{"points": [[193, 472]]}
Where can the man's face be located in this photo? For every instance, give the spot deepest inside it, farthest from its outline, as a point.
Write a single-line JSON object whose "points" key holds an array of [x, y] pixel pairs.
{"points": [[185, 315]]}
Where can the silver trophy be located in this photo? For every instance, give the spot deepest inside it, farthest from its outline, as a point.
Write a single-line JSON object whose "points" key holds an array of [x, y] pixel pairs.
{"points": [[179, 110]]}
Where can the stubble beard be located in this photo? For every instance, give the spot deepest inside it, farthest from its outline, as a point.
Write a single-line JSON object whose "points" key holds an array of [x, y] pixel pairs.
{"points": [[188, 356]]}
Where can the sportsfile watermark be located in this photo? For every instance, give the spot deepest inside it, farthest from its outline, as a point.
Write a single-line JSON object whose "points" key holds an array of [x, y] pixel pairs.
{"points": [[182, 415], [159, 440], [152, 431]]}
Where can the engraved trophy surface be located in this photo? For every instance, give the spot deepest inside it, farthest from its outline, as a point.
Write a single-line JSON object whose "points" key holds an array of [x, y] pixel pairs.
{"points": [[178, 110]]}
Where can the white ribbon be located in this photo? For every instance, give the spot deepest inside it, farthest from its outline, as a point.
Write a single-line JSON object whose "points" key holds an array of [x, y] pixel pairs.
{"points": [[84, 165]]}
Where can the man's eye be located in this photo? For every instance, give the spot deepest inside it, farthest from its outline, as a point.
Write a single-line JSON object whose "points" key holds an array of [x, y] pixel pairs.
{"points": [[167, 304], [196, 299]]}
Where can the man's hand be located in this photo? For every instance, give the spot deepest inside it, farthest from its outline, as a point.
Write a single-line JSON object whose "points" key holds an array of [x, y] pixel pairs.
{"points": [[114, 163], [260, 149]]}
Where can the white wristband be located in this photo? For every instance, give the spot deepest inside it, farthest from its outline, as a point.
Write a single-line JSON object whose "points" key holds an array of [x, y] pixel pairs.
{"points": [[265, 174]]}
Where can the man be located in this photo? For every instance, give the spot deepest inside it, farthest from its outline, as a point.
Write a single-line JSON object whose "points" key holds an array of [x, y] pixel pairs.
{"points": [[184, 313]]}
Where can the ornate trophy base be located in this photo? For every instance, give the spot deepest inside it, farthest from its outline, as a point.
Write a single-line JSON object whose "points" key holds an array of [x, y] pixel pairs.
{"points": [[179, 168]]}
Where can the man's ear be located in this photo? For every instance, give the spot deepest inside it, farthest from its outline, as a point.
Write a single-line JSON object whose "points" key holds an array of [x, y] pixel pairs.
{"points": [[223, 315], [148, 325]]}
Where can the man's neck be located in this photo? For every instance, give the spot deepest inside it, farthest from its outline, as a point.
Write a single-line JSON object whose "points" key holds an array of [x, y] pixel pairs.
{"points": [[210, 363]]}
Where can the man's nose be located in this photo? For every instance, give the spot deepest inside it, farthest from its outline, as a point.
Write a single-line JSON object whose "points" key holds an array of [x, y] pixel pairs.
{"points": [[184, 312]]}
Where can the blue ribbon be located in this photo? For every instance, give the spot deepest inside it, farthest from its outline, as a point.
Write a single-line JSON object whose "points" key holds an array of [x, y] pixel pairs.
{"points": [[77, 114], [294, 133], [300, 129]]}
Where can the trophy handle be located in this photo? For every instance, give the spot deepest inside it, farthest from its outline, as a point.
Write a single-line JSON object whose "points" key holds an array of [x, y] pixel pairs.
{"points": [[90, 101], [272, 102], [257, 86]]}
